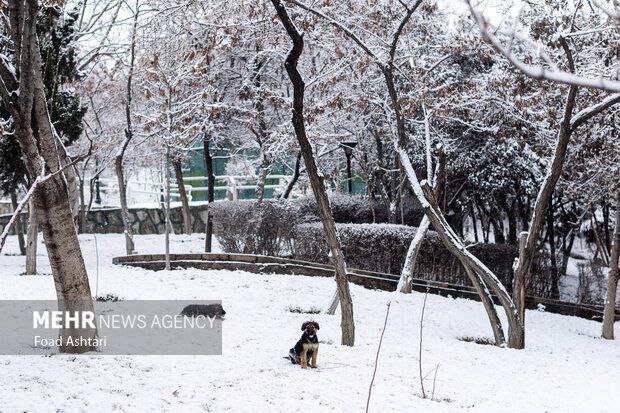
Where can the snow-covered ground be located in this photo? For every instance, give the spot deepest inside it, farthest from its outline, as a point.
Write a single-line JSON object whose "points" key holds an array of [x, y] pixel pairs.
{"points": [[565, 368]]}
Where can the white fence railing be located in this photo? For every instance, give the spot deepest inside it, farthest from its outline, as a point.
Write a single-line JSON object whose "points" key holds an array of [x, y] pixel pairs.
{"points": [[236, 183], [139, 192]]}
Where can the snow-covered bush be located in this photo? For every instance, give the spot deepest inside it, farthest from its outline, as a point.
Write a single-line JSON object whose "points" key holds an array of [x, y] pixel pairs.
{"points": [[267, 228], [251, 228], [383, 247], [372, 247], [355, 209], [592, 284]]}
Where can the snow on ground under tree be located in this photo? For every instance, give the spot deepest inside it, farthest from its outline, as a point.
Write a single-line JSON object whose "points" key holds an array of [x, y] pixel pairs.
{"points": [[565, 367]]}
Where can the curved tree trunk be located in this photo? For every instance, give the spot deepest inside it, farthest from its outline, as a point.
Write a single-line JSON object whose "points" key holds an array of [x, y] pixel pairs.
{"points": [[347, 323], [406, 277], [294, 179]]}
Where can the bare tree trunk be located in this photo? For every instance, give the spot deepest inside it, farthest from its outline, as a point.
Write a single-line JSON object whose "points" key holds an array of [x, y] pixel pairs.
{"points": [[187, 216], [606, 225], [406, 277], [82, 210], [555, 281], [600, 248], [489, 307], [519, 282], [210, 193], [294, 179], [511, 213], [498, 231], [38, 143], [567, 247], [260, 185], [167, 211], [347, 323], [19, 226], [474, 222], [118, 162], [122, 193], [32, 238], [612, 282]]}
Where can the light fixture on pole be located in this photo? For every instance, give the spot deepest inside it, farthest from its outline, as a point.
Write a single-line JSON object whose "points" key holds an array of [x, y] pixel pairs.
{"points": [[348, 147]]}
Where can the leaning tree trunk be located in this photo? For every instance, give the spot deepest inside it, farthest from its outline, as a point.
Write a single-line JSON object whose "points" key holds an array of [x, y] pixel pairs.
{"points": [[210, 193], [555, 279], [485, 296], [529, 239], [347, 322], [294, 179], [32, 238], [406, 277], [38, 142], [609, 314], [19, 226], [187, 216]]}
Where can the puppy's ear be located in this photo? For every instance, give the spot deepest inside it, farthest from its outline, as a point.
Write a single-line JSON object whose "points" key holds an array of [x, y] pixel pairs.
{"points": [[316, 325], [303, 326]]}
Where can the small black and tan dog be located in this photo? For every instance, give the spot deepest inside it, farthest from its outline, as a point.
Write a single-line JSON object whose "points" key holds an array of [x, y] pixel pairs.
{"points": [[307, 346]]}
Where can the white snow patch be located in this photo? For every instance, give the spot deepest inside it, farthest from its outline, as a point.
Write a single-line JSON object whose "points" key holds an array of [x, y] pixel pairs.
{"points": [[565, 366]]}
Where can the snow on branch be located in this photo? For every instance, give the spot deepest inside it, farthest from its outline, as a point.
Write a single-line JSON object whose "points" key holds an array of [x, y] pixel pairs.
{"points": [[536, 71], [614, 14], [41, 178], [589, 112]]}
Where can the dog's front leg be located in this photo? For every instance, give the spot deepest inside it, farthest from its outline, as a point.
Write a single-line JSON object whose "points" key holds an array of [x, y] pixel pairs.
{"points": [[315, 350], [304, 357]]}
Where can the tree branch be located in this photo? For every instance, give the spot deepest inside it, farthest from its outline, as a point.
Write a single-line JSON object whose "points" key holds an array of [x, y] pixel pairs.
{"points": [[539, 72]]}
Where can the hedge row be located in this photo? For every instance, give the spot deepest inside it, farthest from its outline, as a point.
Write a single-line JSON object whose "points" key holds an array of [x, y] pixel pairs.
{"points": [[291, 229], [266, 228]]}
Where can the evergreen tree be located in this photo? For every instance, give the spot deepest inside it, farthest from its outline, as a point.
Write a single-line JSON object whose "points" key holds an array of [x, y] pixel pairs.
{"points": [[60, 67]]}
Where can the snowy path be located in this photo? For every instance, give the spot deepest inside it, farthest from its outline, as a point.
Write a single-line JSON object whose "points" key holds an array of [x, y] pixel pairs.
{"points": [[565, 367]]}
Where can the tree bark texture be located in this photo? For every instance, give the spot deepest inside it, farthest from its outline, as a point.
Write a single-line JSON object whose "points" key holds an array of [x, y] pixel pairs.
{"points": [[612, 281], [347, 322], [19, 226], [38, 143], [187, 216], [210, 192]]}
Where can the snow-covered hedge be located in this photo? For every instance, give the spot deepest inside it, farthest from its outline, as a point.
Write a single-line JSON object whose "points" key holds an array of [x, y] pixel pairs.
{"points": [[356, 209], [383, 247], [251, 228]]}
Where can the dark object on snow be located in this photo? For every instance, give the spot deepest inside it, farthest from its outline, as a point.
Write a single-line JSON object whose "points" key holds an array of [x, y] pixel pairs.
{"points": [[108, 297], [207, 310], [307, 346]]}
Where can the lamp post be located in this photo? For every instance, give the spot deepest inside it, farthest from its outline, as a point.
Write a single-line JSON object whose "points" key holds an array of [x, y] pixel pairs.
{"points": [[97, 191], [348, 152]]}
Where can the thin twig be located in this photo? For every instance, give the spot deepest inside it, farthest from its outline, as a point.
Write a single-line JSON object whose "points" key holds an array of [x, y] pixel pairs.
{"points": [[41, 178], [434, 381], [387, 313], [420, 347]]}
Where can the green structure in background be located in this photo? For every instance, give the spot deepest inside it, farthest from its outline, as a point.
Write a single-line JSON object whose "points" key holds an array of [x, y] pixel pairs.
{"points": [[195, 167]]}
